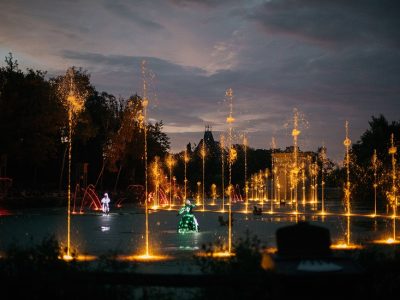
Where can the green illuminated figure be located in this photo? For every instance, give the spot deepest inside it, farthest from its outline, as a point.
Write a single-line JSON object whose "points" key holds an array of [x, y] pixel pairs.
{"points": [[188, 222]]}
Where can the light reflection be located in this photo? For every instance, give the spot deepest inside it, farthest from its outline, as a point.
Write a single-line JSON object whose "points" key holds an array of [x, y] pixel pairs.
{"points": [[344, 246], [80, 257], [218, 254]]}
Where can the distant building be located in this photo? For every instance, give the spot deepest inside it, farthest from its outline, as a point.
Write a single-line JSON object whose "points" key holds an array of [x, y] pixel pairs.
{"points": [[212, 147], [285, 177]]}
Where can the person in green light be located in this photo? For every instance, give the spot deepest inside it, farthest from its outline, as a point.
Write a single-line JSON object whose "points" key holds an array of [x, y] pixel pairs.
{"points": [[188, 222]]}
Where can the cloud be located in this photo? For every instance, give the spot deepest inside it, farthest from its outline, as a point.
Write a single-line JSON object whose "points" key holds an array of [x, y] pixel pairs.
{"points": [[133, 15], [334, 23]]}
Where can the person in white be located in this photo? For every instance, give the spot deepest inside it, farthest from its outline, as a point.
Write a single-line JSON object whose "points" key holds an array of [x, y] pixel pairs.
{"points": [[105, 204]]}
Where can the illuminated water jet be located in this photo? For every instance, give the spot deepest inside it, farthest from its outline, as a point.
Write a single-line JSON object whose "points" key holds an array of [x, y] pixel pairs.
{"points": [[347, 144], [232, 157], [203, 156], [295, 170], [375, 166], [274, 171], [145, 103], [213, 193], [323, 166], [186, 160], [198, 193], [392, 195], [246, 189], [73, 99], [222, 147], [170, 164], [266, 175]]}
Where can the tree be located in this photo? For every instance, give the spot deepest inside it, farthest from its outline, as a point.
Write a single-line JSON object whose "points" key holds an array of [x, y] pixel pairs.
{"points": [[376, 137], [30, 118]]}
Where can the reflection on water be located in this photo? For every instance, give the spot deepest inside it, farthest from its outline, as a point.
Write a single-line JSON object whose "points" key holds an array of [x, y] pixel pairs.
{"points": [[122, 230]]}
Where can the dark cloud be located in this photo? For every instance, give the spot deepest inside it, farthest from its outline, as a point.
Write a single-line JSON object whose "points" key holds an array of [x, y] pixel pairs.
{"points": [[133, 15], [204, 3], [127, 61], [334, 23]]}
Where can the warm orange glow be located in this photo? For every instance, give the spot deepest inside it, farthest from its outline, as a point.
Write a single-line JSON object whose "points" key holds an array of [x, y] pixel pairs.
{"points": [[218, 254], [67, 257], [344, 246], [388, 241], [86, 257], [271, 250], [145, 257]]}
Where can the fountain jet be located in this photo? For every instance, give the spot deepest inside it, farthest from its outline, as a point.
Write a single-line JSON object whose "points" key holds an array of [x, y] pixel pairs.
{"points": [[230, 119], [347, 144], [73, 99], [393, 193], [222, 146]]}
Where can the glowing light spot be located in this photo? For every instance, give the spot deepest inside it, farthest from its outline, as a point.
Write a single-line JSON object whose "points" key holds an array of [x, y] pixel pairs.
{"points": [[345, 246], [218, 254], [388, 241], [69, 258], [145, 257]]}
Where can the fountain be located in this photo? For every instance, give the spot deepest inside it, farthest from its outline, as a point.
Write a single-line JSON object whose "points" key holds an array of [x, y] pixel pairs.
{"points": [[347, 244], [156, 175], [170, 163], [392, 197], [230, 120], [323, 163], [222, 146], [273, 193], [303, 179], [347, 144], [203, 156], [295, 169], [285, 183], [253, 187], [186, 160], [146, 256], [266, 174], [213, 193], [374, 161], [274, 171], [314, 182], [393, 193], [260, 181], [246, 189], [198, 193], [74, 100], [145, 103]]}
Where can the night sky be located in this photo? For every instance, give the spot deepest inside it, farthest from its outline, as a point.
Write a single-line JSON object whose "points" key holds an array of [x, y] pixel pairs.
{"points": [[332, 60]]}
